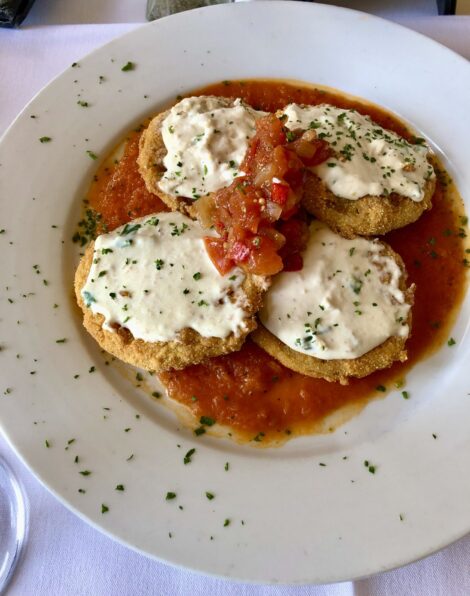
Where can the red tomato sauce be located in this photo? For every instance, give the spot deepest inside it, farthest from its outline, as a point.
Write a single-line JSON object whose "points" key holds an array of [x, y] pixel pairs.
{"points": [[248, 390], [118, 191]]}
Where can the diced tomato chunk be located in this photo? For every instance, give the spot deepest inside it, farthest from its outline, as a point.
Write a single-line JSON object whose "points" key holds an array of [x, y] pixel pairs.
{"points": [[239, 252], [263, 259], [216, 251], [279, 193]]}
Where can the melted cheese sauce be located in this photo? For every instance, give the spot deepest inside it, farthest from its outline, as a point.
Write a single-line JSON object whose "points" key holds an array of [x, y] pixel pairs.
{"points": [[344, 302], [368, 160], [154, 277], [206, 142]]}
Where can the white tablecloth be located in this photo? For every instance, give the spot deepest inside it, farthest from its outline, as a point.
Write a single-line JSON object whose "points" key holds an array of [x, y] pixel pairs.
{"points": [[64, 556]]}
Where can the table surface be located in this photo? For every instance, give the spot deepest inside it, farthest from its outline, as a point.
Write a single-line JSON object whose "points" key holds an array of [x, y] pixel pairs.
{"points": [[64, 555]]}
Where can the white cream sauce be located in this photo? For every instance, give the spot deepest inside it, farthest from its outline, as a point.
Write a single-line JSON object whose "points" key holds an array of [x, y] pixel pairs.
{"points": [[154, 277], [368, 160], [344, 302], [206, 142]]}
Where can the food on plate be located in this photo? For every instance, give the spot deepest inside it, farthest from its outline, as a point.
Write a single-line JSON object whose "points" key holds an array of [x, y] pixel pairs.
{"points": [[257, 215], [152, 297], [195, 148], [373, 182], [255, 223], [346, 313]]}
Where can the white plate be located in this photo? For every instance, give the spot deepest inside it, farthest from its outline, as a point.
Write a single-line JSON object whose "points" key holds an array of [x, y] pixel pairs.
{"points": [[302, 522]]}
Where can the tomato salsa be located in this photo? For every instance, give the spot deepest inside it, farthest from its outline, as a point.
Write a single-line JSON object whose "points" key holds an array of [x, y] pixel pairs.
{"points": [[252, 214], [249, 391]]}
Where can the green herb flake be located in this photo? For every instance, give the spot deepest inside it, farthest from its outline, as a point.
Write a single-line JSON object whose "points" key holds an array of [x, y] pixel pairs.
{"points": [[61, 341], [227, 466], [381, 388], [207, 421], [104, 508], [85, 472], [188, 456], [451, 342], [170, 496], [47, 444], [405, 395], [226, 523], [209, 495], [91, 154], [127, 67], [45, 139], [83, 104], [120, 487], [197, 276], [371, 468]]}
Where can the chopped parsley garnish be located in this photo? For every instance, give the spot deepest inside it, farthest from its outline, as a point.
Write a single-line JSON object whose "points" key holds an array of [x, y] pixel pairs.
{"points": [[451, 342], [188, 456], [177, 232], [197, 276], [290, 136], [170, 496], [159, 264], [207, 421], [129, 229], [104, 508], [209, 495], [381, 388], [128, 66], [356, 285], [120, 487], [82, 103], [45, 139], [91, 154], [89, 298]]}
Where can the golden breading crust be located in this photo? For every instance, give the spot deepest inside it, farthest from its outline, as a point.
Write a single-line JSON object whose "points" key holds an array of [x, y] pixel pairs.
{"points": [[367, 216], [383, 356], [152, 150], [191, 348]]}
